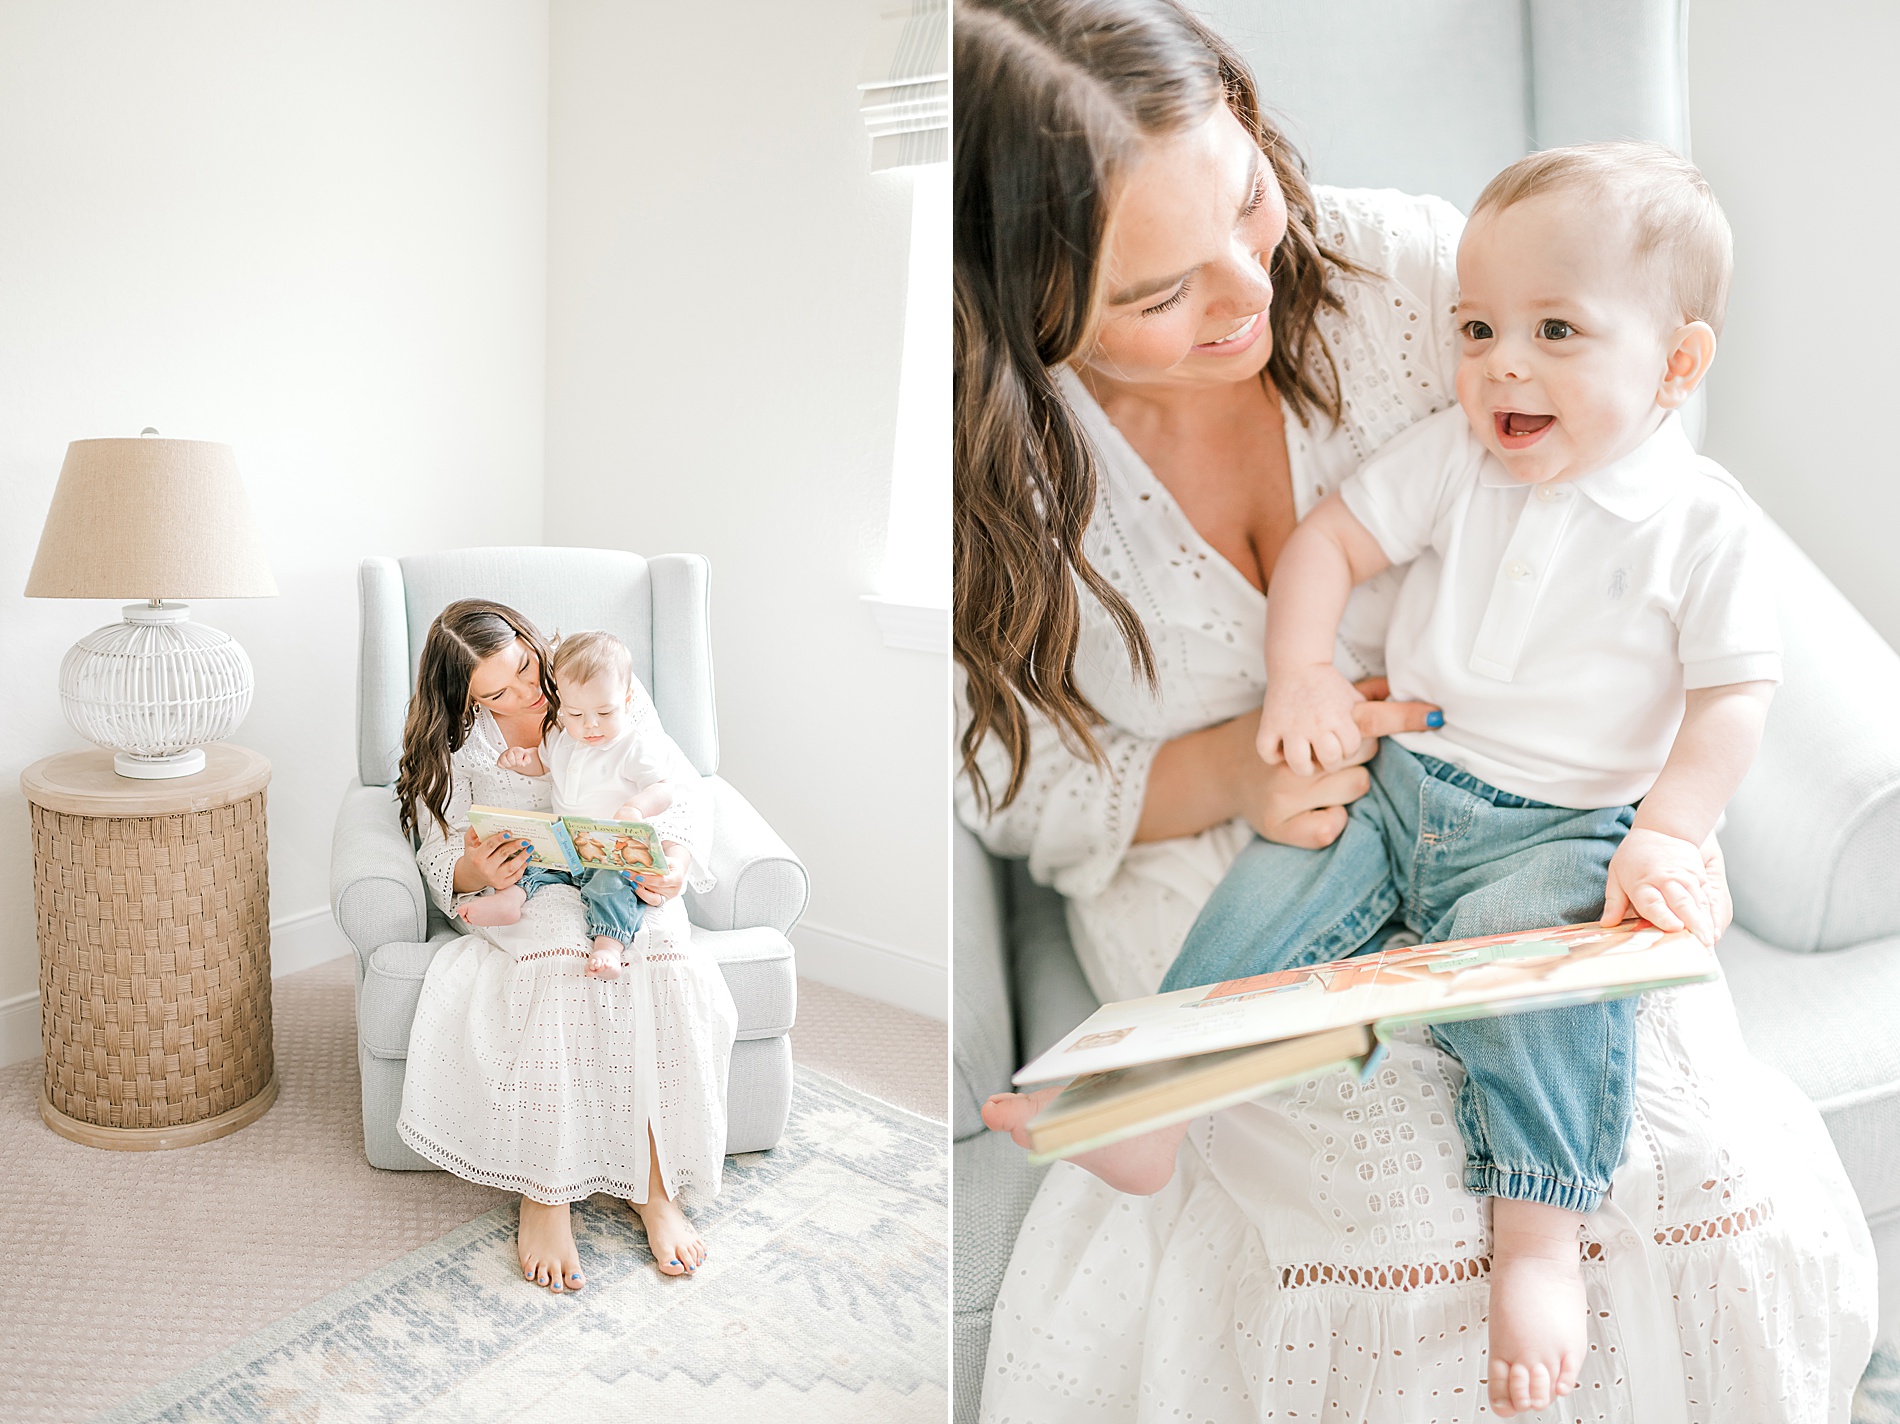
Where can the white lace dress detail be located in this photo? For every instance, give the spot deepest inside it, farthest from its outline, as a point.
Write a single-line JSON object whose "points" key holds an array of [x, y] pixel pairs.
{"points": [[526, 1074], [1316, 1256]]}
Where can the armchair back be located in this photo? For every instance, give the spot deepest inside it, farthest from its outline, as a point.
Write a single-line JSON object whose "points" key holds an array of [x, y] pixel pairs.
{"points": [[1437, 98]]}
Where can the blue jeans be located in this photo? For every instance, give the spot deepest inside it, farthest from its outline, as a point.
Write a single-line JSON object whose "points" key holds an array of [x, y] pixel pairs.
{"points": [[612, 907], [1546, 1101]]}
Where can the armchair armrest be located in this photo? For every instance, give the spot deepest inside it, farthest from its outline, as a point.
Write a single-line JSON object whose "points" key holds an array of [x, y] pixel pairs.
{"points": [[376, 890], [984, 1052], [760, 882], [1813, 833]]}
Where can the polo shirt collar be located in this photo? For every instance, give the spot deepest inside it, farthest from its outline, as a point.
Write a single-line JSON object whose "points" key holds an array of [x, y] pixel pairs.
{"points": [[1633, 487]]}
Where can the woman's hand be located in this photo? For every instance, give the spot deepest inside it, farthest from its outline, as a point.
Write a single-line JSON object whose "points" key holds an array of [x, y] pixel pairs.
{"points": [[499, 861], [1211, 776], [657, 889]]}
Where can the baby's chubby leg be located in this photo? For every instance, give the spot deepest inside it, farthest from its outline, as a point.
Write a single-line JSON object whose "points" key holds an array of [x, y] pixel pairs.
{"points": [[501, 908], [1548, 1095], [604, 960], [1276, 906], [614, 916], [1538, 1313]]}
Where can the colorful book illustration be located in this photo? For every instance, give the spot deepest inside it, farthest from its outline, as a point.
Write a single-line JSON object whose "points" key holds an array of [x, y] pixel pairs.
{"points": [[1143, 1064], [575, 843]]}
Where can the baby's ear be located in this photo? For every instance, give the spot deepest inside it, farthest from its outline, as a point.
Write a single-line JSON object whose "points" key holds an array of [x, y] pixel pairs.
{"points": [[1691, 354]]}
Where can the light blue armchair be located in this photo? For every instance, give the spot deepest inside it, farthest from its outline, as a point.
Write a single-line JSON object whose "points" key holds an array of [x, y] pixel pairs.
{"points": [[659, 608], [1434, 99]]}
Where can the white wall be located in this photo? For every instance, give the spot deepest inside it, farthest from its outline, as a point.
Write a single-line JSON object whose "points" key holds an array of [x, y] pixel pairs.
{"points": [[725, 323], [316, 232], [1796, 121]]}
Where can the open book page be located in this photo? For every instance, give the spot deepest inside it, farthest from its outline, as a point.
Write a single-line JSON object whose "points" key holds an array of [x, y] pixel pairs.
{"points": [[1427, 983], [1105, 1108], [549, 845], [616, 845]]}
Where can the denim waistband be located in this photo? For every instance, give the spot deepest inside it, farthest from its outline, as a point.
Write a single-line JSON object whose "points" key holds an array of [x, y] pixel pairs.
{"points": [[1457, 776]]}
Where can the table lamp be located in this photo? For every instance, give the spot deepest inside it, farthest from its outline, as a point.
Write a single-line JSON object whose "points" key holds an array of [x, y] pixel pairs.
{"points": [[158, 520]]}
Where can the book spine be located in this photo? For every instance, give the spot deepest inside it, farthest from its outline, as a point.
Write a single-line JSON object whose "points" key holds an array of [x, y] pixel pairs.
{"points": [[574, 865]]}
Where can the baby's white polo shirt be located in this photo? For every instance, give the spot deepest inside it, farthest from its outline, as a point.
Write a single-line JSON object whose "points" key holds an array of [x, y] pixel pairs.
{"points": [[1558, 625], [596, 781]]}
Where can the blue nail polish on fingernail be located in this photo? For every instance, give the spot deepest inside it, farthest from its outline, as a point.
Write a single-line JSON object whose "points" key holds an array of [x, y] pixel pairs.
{"points": [[1434, 719]]}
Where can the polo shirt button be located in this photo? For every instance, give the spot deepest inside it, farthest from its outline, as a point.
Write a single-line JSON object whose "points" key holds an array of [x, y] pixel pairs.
{"points": [[1547, 493], [1518, 571]]}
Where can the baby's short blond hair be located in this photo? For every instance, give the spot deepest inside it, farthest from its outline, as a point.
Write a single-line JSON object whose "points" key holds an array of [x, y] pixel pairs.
{"points": [[583, 657], [1680, 228]]}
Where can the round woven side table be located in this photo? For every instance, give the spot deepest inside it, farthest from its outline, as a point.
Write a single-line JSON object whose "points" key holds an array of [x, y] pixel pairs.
{"points": [[152, 900]]}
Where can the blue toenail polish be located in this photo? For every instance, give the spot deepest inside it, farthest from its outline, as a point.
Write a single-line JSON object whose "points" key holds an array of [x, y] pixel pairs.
{"points": [[1434, 719]]}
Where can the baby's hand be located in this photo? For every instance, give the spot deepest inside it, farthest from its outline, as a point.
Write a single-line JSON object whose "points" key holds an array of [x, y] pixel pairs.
{"points": [[645, 805], [521, 760], [1308, 718], [1664, 879]]}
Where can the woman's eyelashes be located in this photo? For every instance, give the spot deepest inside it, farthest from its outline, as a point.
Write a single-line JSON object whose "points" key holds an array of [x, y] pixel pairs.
{"points": [[1259, 196], [1180, 295]]}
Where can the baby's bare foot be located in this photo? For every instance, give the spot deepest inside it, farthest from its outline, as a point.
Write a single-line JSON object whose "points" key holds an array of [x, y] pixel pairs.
{"points": [[501, 908], [604, 962], [1538, 1314], [545, 1240], [1141, 1166], [677, 1249]]}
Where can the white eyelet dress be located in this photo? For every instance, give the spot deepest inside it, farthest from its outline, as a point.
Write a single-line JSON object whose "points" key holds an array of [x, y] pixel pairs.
{"points": [[1316, 1257], [526, 1074]]}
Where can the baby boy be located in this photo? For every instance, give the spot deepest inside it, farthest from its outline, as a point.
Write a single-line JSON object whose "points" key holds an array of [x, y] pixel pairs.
{"points": [[600, 768], [1585, 600]]}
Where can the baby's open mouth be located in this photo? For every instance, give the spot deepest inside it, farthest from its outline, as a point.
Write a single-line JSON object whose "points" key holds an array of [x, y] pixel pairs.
{"points": [[1515, 424], [1519, 430]]}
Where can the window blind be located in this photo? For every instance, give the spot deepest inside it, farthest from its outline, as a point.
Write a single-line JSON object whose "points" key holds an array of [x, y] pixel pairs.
{"points": [[906, 88]]}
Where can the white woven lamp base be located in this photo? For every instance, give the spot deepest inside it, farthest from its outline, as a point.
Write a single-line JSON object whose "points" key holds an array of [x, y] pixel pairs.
{"points": [[157, 768], [154, 688]]}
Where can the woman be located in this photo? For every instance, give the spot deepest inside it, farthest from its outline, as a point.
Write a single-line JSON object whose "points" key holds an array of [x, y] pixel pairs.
{"points": [[1169, 348], [525, 1072]]}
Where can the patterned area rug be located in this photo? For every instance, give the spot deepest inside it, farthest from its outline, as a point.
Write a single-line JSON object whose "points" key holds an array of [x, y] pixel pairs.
{"points": [[1878, 1399], [824, 1300]]}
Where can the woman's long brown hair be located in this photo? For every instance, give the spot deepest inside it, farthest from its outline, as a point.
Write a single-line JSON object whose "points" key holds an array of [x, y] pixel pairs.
{"points": [[441, 712], [1054, 98]]}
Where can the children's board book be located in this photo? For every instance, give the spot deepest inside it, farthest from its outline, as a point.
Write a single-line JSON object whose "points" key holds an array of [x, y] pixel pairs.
{"points": [[1143, 1064], [575, 843]]}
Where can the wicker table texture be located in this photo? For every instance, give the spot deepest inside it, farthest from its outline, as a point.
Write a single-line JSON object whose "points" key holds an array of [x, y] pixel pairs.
{"points": [[152, 900]]}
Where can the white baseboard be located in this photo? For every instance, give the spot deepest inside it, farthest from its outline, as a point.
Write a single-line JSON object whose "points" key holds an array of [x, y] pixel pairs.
{"points": [[877, 971], [20, 1028], [304, 941], [296, 942]]}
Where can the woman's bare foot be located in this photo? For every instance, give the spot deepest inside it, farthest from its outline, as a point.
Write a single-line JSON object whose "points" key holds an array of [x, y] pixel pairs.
{"points": [[545, 1240], [501, 908], [677, 1249], [1538, 1314], [1141, 1166], [604, 962]]}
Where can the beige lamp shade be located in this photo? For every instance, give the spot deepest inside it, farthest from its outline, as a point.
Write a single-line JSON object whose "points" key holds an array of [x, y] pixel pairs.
{"points": [[149, 518]]}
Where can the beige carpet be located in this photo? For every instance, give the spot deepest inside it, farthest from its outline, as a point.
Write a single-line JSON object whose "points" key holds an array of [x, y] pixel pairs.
{"points": [[125, 1268]]}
